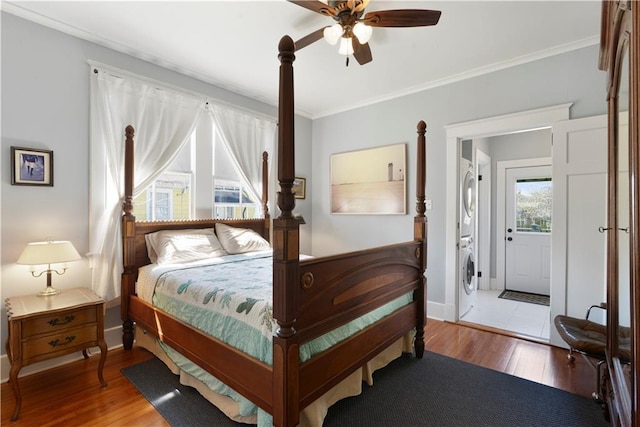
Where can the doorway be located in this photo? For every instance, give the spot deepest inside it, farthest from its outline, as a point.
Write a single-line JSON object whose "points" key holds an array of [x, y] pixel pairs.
{"points": [[526, 180], [512, 123]]}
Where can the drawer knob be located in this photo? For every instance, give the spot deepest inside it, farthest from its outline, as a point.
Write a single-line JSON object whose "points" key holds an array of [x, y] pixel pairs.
{"points": [[67, 340], [58, 322]]}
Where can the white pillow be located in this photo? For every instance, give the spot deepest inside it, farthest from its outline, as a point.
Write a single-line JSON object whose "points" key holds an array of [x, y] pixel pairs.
{"points": [[151, 239], [240, 240], [177, 246]]}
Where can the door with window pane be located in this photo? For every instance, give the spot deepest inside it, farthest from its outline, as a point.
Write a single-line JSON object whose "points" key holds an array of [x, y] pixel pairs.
{"points": [[528, 234]]}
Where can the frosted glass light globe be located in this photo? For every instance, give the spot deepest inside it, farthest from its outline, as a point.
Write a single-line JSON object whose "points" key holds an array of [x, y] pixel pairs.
{"points": [[333, 33]]}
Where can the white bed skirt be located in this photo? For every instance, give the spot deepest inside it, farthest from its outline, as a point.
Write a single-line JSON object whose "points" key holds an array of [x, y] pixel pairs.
{"points": [[311, 416]]}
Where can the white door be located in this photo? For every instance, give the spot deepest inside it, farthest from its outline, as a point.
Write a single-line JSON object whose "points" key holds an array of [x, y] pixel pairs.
{"points": [[580, 194], [528, 229]]}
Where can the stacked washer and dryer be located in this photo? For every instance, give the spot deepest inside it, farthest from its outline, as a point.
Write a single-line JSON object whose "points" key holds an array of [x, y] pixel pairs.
{"points": [[466, 266]]}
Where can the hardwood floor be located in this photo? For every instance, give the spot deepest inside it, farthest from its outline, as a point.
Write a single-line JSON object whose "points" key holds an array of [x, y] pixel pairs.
{"points": [[71, 395]]}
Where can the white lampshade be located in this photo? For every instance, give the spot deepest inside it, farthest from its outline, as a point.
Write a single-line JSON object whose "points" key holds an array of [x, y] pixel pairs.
{"points": [[51, 252], [346, 46], [363, 32], [333, 33]]}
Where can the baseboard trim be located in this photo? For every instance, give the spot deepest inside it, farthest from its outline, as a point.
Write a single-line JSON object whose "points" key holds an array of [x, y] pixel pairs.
{"points": [[436, 310]]}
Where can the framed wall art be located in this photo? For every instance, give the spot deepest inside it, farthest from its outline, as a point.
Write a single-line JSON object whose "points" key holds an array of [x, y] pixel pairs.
{"points": [[299, 187], [30, 166], [370, 181]]}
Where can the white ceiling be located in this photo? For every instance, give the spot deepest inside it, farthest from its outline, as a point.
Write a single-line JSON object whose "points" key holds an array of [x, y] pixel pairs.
{"points": [[233, 44]]}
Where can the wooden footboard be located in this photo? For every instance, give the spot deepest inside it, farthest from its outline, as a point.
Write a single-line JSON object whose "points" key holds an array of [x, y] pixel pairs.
{"points": [[245, 374], [335, 290]]}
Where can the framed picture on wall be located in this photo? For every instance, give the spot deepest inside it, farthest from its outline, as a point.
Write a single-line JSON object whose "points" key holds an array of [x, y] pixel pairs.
{"points": [[299, 187], [30, 166], [370, 181]]}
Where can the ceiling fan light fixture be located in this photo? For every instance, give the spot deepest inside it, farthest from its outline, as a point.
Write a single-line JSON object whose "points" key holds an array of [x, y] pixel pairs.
{"points": [[333, 33], [346, 46], [363, 32]]}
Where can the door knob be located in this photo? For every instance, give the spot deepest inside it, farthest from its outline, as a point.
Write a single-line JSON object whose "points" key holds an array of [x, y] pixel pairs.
{"points": [[509, 230], [509, 238]]}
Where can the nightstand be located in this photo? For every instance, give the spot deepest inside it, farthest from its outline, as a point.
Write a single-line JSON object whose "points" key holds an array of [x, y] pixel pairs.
{"points": [[42, 328]]}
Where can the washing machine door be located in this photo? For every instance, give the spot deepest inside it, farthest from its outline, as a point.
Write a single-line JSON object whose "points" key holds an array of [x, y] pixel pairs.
{"points": [[468, 272], [469, 194]]}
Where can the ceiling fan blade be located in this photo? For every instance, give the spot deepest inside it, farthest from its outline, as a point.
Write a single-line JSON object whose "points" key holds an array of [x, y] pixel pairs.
{"points": [[357, 6], [316, 6], [362, 52], [402, 18], [309, 38]]}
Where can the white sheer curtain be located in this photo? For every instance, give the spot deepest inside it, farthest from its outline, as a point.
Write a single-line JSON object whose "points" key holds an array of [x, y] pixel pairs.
{"points": [[163, 120], [246, 136]]}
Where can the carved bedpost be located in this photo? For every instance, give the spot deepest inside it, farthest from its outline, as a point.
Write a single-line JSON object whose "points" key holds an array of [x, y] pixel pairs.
{"points": [[128, 248], [265, 193], [420, 233], [265, 184], [286, 352]]}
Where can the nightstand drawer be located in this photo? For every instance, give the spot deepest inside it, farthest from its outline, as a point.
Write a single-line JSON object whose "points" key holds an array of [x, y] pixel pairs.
{"points": [[50, 323], [65, 341]]}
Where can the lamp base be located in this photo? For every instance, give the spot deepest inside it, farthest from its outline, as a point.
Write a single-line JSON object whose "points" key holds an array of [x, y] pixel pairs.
{"points": [[48, 291]]}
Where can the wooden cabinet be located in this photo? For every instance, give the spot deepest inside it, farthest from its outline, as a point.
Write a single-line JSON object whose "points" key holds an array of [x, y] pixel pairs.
{"points": [[620, 58], [41, 328]]}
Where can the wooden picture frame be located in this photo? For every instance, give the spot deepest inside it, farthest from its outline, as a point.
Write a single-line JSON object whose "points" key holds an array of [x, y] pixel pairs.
{"points": [[31, 166], [299, 187], [369, 182]]}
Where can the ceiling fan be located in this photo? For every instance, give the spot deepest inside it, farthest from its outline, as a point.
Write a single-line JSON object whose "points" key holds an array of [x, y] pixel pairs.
{"points": [[354, 28]]}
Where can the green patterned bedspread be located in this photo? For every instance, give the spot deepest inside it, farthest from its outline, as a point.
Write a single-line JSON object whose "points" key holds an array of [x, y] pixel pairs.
{"points": [[231, 299]]}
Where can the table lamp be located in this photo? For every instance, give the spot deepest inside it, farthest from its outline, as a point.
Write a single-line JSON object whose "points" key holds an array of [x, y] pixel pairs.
{"points": [[49, 252]]}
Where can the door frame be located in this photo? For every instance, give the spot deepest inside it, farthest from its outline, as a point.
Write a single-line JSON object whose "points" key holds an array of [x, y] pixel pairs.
{"points": [[483, 219], [501, 207], [492, 126]]}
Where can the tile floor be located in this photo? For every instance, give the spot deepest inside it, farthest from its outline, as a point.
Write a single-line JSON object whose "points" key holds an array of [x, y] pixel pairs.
{"points": [[520, 317]]}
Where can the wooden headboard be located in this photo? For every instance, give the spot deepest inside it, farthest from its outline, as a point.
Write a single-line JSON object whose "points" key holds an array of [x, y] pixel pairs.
{"points": [[134, 246], [142, 228]]}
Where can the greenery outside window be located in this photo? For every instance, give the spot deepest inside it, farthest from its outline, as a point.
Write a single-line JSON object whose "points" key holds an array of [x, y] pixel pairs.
{"points": [[533, 205]]}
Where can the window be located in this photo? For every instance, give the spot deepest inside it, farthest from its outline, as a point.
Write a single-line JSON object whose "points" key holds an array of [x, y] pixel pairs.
{"points": [[169, 197], [230, 197], [232, 201], [220, 190], [533, 205]]}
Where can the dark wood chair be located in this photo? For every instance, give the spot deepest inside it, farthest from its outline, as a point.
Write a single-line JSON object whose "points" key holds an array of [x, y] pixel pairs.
{"points": [[589, 338]]}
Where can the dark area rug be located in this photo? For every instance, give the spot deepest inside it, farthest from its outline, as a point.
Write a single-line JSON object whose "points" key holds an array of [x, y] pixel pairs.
{"points": [[525, 297], [180, 405], [436, 391]]}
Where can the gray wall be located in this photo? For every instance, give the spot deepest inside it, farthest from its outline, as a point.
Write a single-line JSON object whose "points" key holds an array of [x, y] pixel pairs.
{"points": [[45, 104], [571, 77]]}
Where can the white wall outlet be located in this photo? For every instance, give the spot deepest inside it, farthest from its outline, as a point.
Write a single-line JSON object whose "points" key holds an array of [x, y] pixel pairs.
{"points": [[428, 203]]}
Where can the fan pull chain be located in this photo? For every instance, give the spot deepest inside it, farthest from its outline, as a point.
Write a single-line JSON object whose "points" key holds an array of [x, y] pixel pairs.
{"points": [[347, 62]]}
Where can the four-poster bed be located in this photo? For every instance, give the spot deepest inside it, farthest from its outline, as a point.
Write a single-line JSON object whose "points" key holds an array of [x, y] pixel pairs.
{"points": [[310, 297]]}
